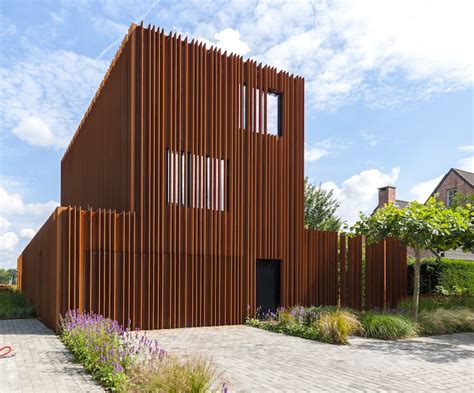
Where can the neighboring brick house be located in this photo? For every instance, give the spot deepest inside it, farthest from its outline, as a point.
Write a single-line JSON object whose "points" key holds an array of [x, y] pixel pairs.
{"points": [[388, 194], [456, 180]]}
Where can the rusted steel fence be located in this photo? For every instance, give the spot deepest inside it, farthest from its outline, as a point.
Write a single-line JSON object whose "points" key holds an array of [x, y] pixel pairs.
{"points": [[82, 259], [351, 273], [88, 260]]}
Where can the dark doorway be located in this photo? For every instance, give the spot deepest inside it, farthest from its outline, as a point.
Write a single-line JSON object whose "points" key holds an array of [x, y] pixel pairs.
{"points": [[268, 285]]}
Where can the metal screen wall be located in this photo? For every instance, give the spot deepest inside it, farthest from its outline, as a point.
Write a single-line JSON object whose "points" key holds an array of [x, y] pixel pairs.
{"points": [[83, 260], [165, 94], [186, 258], [348, 272]]}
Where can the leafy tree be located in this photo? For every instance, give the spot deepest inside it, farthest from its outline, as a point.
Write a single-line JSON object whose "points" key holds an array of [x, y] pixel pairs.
{"points": [[427, 226], [320, 208], [7, 276], [461, 199]]}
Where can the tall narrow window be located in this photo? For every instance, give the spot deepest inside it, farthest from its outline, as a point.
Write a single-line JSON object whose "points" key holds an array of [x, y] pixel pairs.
{"points": [[274, 114], [242, 106], [196, 181], [450, 197], [172, 180], [183, 177], [208, 182]]}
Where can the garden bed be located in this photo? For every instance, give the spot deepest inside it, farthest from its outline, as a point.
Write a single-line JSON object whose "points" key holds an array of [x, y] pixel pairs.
{"points": [[13, 304], [438, 315], [124, 360]]}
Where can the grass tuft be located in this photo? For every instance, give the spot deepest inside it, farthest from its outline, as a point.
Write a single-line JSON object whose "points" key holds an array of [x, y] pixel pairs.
{"points": [[13, 304], [175, 375], [337, 326], [445, 321], [387, 326]]}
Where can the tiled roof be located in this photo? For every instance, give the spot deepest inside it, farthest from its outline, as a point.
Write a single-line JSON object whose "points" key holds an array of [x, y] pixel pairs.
{"points": [[468, 176], [401, 204]]}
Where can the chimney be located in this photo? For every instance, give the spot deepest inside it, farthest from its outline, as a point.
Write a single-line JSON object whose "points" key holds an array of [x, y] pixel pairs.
{"points": [[386, 195]]}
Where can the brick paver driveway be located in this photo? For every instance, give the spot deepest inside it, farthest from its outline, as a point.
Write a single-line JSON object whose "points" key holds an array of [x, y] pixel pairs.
{"points": [[257, 360], [41, 362]]}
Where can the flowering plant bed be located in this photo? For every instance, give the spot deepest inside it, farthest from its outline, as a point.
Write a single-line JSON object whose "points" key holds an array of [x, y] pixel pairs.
{"points": [[334, 325], [327, 324], [121, 359]]}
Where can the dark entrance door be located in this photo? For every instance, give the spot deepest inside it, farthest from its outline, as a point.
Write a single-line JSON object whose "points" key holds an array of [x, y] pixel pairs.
{"points": [[268, 285]]}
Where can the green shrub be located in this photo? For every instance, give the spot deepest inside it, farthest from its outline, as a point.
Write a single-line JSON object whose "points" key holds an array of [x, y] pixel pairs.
{"points": [[124, 360], [429, 303], [173, 375], [337, 326], [444, 321], [456, 278], [387, 326], [328, 324], [13, 304], [430, 271], [445, 276]]}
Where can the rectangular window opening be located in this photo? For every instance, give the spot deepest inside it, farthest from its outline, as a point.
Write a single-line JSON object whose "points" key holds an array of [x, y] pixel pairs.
{"points": [[450, 197], [196, 181], [274, 102]]}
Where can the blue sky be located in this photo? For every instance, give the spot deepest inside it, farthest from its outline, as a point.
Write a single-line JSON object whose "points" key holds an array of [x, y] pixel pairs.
{"points": [[389, 88]]}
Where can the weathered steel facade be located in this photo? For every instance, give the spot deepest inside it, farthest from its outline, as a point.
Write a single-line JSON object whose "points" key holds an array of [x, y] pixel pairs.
{"points": [[177, 134], [181, 139]]}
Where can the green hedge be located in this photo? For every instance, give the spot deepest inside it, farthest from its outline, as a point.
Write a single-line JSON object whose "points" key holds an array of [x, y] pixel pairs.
{"points": [[456, 278], [13, 304], [448, 277]]}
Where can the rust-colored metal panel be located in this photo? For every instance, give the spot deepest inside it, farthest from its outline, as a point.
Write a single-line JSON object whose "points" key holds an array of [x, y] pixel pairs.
{"points": [[385, 274], [72, 263], [338, 271], [178, 186], [177, 139]]}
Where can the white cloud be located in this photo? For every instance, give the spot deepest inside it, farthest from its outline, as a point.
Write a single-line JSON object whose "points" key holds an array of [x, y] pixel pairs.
{"points": [[19, 217], [4, 224], [44, 96], [328, 146], [8, 241], [356, 50], [421, 191], [467, 148], [371, 139], [8, 28], [36, 132], [229, 40], [12, 204], [314, 153], [27, 233], [466, 164], [360, 192]]}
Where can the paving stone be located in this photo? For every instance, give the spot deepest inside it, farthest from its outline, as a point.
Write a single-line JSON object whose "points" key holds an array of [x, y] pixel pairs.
{"points": [[40, 361], [255, 360]]}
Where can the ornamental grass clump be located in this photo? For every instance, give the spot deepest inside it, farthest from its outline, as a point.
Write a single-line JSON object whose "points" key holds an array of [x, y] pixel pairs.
{"points": [[13, 304], [444, 321], [173, 375], [387, 326], [336, 326], [106, 349]]}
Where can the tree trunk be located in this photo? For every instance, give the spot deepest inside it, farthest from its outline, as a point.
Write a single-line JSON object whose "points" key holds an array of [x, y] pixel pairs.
{"points": [[416, 284]]}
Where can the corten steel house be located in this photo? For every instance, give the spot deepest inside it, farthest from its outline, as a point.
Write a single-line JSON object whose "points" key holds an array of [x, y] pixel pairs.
{"points": [[181, 192], [182, 200]]}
